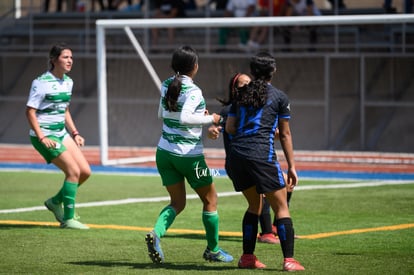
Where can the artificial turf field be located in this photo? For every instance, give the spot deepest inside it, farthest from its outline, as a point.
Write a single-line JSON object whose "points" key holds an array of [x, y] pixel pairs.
{"points": [[345, 227]]}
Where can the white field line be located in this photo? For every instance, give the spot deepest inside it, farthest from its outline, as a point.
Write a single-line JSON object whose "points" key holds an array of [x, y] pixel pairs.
{"points": [[194, 196]]}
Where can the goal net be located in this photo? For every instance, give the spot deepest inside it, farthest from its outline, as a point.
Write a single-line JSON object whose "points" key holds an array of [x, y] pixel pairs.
{"points": [[127, 106]]}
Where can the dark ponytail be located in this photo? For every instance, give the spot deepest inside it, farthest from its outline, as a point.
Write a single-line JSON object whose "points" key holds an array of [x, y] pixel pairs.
{"points": [[255, 95], [183, 61], [171, 97]]}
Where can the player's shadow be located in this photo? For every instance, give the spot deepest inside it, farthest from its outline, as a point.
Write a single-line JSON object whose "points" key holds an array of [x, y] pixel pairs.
{"points": [[26, 226], [168, 266], [183, 266], [203, 237]]}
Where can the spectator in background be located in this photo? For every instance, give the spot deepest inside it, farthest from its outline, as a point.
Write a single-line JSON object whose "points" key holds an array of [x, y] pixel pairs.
{"points": [[101, 5], [110, 5], [190, 4], [71, 5], [259, 34], [238, 8], [301, 8], [131, 6], [388, 7], [219, 4], [167, 9], [341, 4], [408, 6]]}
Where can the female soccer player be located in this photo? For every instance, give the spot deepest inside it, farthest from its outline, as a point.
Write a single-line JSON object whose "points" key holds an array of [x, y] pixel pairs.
{"points": [[180, 155], [237, 85], [252, 121], [49, 118]]}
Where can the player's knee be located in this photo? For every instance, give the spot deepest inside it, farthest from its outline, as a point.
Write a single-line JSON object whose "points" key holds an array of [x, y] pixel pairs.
{"points": [[86, 173], [178, 206]]}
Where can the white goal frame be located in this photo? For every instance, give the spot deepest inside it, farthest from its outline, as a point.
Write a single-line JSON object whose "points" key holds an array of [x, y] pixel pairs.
{"points": [[128, 24]]}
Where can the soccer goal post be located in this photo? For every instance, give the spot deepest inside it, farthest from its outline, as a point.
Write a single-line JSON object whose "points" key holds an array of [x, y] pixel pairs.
{"points": [[127, 25]]}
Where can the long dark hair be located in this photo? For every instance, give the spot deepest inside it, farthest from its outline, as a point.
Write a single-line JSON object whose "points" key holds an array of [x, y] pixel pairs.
{"points": [[183, 61], [55, 52], [232, 90], [262, 68]]}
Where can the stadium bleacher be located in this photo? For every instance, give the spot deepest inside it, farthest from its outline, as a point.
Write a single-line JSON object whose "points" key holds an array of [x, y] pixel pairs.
{"points": [[385, 53]]}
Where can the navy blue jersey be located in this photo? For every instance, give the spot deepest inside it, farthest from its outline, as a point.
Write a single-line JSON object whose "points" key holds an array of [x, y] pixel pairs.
{"points": [[255, 135]]}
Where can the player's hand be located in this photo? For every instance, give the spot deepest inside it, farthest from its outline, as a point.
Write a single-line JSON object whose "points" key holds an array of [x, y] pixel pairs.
{"points": [[292, 179], [289, 188], [79, 140], [48, 143], [214, 132], [216, 118]]}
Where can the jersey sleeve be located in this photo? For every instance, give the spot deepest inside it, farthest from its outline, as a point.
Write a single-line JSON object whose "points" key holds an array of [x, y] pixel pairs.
{"points": [[284, 106], [36, 95], [232, 110], [191, 113], [160, 109]]}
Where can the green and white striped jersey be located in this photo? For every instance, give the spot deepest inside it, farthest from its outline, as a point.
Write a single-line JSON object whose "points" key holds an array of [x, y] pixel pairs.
{"points": [[50, 96], [182, 130]]}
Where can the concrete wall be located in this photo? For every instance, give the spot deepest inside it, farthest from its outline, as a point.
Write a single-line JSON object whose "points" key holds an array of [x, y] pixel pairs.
{"points": [[133, 99]]}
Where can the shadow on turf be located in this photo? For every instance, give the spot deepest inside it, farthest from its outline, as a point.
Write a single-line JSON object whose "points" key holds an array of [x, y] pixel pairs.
{"points": [[186, 266], [171, 266], [27, 226], [201, 237], [169, 235]]}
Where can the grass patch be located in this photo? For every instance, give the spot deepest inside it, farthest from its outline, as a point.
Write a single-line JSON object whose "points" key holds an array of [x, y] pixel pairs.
{"points": [[35, 249]]}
